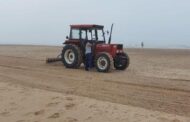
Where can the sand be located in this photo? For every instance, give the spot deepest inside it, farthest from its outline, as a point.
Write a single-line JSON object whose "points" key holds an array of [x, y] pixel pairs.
{"points": [[155, 88]]}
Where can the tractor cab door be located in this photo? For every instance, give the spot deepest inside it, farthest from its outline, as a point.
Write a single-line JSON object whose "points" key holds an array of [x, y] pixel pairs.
{"points": [[97, 37], [79, 37], [87, 35], [93, 35], [83, 40]]}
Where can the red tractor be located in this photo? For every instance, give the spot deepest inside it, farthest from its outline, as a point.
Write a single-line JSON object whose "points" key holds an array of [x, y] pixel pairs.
{"points": [[106, 56]]}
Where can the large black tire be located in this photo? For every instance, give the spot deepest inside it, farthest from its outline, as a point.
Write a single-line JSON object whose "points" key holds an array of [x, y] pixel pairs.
{"points": [[71, 56], [121, 61], [103, 62]]}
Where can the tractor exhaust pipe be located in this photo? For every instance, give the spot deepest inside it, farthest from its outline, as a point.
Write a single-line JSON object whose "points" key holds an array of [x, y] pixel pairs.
{"points": [[109, 41]]}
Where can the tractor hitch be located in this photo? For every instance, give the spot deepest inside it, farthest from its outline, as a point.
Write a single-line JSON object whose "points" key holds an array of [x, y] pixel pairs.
{"points": [[51, 60]]}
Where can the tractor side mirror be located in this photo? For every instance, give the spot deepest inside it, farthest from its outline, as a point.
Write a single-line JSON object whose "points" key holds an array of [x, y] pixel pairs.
{"points": [[67, 37]]}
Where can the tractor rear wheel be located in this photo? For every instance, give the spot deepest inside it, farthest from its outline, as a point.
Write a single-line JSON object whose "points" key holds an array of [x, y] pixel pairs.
{"points": [[103, 62], [71, 56], [121, 61]]}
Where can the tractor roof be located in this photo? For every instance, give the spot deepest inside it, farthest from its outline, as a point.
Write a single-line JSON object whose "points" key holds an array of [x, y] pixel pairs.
{"points": [[87, 26]]}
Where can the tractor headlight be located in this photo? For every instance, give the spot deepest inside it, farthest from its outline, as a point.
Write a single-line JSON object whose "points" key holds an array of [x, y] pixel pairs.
{"points": [[119, 51]]}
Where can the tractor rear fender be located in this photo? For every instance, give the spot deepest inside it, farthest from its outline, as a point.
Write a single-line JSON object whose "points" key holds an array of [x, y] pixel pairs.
{"points": [[74, 42]]}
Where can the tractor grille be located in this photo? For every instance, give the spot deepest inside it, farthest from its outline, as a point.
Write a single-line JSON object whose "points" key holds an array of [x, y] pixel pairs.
{"points": [[120, 46]]}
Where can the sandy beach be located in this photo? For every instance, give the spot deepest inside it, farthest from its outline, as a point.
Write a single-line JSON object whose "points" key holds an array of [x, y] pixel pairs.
{"points": [[155, 88]]}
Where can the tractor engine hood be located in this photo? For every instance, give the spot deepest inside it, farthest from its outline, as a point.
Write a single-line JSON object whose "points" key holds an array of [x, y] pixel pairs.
{"points": [[117, 46]]}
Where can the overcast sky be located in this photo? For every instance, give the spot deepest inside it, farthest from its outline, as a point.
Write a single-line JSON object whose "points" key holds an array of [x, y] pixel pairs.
{"points": [[158, 23]]}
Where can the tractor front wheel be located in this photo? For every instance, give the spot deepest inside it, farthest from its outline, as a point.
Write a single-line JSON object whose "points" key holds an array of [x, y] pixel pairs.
{"points": [[71, 56], [103, 62], [121, 61]]}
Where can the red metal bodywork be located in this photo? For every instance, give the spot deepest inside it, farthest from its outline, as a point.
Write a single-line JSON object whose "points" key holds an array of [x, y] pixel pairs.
{"points": [[109, 48]]}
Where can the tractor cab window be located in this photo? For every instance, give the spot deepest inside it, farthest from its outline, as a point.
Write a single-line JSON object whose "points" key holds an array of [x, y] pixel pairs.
{"points": [[91, 34], [95, 35], [100, 35], [75, 34], [87, 34], [84, 35]]}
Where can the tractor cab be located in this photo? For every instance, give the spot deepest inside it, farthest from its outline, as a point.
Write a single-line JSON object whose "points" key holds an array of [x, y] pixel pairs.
{"points": [[79, 34], [87, 32]]}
